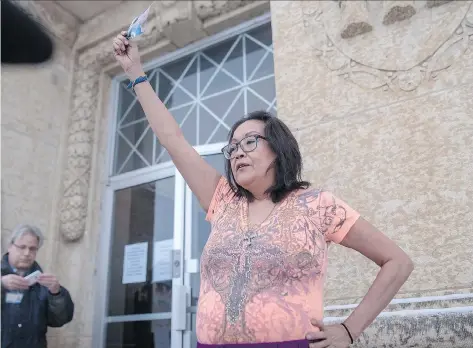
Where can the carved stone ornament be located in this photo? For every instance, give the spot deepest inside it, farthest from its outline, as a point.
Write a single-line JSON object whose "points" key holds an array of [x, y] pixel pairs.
{"points": [[410, 43], [85, 100], [81, 137]]}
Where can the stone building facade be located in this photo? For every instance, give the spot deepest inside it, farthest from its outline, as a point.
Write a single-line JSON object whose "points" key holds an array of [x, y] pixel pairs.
{"points": [[382, 107]]}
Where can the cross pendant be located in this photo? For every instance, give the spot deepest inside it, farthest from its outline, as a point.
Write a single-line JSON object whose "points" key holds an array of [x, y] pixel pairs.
{"points": [[249, 237]]}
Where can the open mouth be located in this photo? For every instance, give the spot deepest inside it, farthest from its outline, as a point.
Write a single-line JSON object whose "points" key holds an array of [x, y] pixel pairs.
{"points": [[241, 165]]}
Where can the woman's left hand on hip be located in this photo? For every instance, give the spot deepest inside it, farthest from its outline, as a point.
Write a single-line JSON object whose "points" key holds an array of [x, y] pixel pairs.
{"points": [[329, 336]]}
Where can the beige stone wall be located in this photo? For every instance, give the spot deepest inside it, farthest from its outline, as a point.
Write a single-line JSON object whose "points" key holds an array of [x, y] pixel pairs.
{"points": [[397, 145], [34, 112], [35, 115]]}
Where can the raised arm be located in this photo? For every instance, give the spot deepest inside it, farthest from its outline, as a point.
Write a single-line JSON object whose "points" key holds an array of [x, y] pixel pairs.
{"points": [[201, 177]]}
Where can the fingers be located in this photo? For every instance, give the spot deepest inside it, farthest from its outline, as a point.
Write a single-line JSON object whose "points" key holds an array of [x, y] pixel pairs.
{"points": [[316, 336], [123, 40], [122, 37], [318, 323], [45, 276], [318, 339], [47, 279], [48, 284], [44, 281], [20, 283], [320, 344], [118, 46]]}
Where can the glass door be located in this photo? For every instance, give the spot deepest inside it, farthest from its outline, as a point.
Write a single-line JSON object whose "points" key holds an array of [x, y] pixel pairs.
{"points": [[197, 231], [146, 302], [157, 234]]}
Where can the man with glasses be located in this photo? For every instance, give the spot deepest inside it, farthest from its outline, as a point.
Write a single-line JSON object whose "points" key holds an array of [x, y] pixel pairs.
{"points": [[30, 306]]}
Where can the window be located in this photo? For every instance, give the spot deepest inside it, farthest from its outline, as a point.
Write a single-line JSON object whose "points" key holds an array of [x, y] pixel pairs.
{"points": [[206, 92]]}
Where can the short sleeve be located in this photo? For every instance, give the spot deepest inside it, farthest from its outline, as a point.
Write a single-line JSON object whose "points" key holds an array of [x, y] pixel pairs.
{"points": [[222, 195], [334, 217]]}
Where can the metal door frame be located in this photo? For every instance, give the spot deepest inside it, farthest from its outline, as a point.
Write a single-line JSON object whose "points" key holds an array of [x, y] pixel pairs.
{"points": [[101, 319], [192, 265]]}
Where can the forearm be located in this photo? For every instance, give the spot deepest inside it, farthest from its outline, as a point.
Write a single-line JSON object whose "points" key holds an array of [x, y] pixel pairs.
{"points": [[160, 119], [60, 308], [201, 177], [389, 280]]}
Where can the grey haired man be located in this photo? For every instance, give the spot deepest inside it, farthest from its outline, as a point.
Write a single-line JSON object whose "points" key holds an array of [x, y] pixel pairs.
{"points": [[29, 307]]}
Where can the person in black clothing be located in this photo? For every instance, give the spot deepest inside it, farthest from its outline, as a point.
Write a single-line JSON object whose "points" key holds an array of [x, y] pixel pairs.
{"points": [[28, 309]]}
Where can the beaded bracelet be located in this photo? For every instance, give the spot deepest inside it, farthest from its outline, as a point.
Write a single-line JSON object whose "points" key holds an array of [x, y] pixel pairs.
{"points": [[138, 80]]}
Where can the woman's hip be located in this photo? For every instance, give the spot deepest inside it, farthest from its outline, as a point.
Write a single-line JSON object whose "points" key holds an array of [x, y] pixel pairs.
{"points": [[285, 344]]}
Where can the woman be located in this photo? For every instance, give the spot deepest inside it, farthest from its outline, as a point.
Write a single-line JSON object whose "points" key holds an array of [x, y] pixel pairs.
{"points": [[263, 267]]}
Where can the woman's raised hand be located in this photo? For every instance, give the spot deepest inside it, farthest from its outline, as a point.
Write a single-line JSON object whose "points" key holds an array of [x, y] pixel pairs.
{"points": [[126, 53]]}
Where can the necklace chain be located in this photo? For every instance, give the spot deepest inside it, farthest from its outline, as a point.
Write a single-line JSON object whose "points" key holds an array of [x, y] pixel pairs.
{"points": [[250, 235]]}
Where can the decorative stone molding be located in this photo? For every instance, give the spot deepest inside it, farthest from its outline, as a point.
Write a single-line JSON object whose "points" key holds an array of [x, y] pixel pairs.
{"points": [[179, 16], [179, 22], [435, 36], [446, 329], [85, 98], [419, 304], [207, 9], [435, 3], [437, 321], [99, 28]]}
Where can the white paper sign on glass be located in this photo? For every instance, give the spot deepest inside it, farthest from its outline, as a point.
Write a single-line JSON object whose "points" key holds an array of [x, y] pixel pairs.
{"points": [[135, 263], [162, 260]]}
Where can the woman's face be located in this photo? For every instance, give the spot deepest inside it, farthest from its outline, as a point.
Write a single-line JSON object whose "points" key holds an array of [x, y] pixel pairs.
{"points": [[250, 169]]}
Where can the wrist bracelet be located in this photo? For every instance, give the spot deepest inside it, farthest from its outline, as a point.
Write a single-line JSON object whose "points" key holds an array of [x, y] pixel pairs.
{"points": [[348, 331], [138, 80]]}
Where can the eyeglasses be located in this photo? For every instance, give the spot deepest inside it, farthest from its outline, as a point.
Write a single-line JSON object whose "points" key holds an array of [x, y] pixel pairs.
{"points": [[32, 250], [247, 144]]}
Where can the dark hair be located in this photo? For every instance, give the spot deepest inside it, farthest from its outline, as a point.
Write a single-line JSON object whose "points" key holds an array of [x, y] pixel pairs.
{"points": [[287, 164]]}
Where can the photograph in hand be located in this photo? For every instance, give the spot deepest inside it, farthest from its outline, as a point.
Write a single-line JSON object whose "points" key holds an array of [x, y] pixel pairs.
{"points": [[137, 26], [33, 277]]}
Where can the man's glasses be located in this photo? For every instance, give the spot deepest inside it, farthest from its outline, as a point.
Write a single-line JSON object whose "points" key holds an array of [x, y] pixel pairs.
{"points": [[32, 250], [247, 144]]}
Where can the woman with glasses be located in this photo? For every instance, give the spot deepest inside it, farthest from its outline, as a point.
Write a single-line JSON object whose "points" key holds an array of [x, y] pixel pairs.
{"points": [[264, 265]]}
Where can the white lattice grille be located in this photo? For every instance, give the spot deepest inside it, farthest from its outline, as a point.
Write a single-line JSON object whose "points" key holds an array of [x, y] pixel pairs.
{"points": [[206, 92]]}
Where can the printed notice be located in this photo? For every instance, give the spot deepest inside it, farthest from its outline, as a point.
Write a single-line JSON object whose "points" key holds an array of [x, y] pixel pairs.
{"points": [[134, 263], [162, 260]]}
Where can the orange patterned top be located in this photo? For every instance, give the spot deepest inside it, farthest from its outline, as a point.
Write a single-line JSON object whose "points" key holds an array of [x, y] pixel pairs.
{"points": [[265, 284]]}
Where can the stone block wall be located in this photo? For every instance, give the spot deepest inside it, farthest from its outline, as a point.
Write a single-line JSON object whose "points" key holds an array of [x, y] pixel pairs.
{"points": [[383, 113], [34, 114]]}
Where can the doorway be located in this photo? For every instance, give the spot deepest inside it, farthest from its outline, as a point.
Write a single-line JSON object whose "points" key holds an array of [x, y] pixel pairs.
{"points": [[156, 237]]}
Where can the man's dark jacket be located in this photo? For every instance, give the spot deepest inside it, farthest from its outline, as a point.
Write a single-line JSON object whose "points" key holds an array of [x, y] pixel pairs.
{"points": [[24, 325]]}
